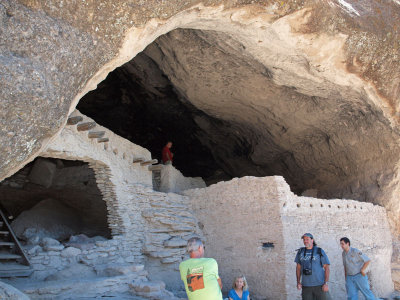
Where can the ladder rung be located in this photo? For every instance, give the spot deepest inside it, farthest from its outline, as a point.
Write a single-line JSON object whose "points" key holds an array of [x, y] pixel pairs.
{"points": [[4, 256], [7, 244]]}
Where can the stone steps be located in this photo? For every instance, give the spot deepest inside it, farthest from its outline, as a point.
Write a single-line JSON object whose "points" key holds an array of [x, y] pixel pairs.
{"points": [[82, 125], [13, 269]]}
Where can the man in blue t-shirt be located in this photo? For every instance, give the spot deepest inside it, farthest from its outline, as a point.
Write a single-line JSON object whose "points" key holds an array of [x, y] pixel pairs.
{"points": [[313, 269]]}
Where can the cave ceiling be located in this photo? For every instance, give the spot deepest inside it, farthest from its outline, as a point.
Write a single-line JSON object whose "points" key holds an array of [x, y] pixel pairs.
{"points": [[226, 115]]}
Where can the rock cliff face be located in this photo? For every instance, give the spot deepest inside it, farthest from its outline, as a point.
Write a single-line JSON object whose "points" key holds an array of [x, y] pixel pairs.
{"points": [[305, 89]]}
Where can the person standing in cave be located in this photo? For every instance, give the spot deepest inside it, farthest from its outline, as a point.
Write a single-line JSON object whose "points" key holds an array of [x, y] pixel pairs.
{"points": [[312, 267], [200, 274], [355, 271], [167, 155]]}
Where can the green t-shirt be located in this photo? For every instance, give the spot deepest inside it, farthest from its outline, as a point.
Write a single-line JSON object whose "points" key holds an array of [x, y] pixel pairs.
{"points": [[200, 277]]}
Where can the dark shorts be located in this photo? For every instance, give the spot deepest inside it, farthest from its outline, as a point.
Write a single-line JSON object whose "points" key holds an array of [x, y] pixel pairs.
{"points": [[314, 293]]}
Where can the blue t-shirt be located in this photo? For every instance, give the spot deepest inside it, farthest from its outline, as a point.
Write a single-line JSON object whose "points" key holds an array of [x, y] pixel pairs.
{"points": [[318, 273], [232, 294]]}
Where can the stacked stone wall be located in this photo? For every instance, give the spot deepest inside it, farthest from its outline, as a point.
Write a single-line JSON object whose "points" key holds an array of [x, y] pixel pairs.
{"points": [[147, 226], [172, 181], [241, 222], [365, 224], [49, 260], [253, 227]]}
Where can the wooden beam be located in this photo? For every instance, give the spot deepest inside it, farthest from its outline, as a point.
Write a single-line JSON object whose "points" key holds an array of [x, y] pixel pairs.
{"points": [[74, 120], [102, 140], [96, 134], [138, 160], [149, 162], [86, 126], [155, 167]]}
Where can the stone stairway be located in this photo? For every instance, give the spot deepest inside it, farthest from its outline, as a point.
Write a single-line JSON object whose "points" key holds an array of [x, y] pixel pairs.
{"points": [[99, 135], [13, 261]]}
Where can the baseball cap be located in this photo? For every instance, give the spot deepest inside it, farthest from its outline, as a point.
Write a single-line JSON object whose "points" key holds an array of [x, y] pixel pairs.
{"points": [[307, 234]]}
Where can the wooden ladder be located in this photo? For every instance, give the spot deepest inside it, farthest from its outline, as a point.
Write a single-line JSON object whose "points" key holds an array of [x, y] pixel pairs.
{"points": [[13, 261]]}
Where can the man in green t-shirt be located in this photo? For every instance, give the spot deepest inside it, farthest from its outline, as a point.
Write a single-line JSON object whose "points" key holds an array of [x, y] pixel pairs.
{"points": [[199, 274]]}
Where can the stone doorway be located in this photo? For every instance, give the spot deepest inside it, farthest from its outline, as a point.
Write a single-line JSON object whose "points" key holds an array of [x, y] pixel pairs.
{"points": [[55, 198]]}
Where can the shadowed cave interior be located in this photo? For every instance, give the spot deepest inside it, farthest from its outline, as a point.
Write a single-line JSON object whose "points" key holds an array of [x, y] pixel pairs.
{"points": [[55, 198], [228, 117]]}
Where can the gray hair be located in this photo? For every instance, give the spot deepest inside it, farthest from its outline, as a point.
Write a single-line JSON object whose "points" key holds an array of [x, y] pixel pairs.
{"points": [[193, 244]]}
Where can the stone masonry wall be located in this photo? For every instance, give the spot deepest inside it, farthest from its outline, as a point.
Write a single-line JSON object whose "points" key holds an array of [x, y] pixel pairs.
{"points": [[253, 227], [169, 224], [173, 181], [51, 259], [365, 224], [147, 226], [240, 220]]}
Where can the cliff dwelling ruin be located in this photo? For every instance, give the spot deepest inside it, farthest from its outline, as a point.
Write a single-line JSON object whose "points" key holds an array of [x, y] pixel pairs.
{"points": [[287, 112]]}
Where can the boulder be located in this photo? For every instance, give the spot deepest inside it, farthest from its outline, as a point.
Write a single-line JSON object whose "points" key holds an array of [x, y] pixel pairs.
{"points": [[152, 290], [48, 218], [70, 252], [72, 272], [9, 292], [42, 172], [83, 242]]}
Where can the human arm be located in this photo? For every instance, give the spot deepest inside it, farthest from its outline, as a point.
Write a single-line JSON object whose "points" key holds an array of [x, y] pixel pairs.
{"points": [[170, 155], [325, 286], [364, 268], [298, 276], [220, 283]]}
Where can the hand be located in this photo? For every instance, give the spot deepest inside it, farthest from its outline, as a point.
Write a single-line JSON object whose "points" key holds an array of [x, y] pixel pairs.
{"points": [[325, 288], [299, 286], [362, 272]]}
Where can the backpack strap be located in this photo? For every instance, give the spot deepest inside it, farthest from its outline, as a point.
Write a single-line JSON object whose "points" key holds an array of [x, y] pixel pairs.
{"points": [[319, 252]]}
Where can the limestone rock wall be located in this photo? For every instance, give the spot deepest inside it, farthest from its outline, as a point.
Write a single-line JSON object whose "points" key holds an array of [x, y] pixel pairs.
{"points": [[253, 227]]}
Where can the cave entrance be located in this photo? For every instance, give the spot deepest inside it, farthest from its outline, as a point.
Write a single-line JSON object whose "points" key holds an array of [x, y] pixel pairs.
{"points": [[55, 198], [231, 112]]}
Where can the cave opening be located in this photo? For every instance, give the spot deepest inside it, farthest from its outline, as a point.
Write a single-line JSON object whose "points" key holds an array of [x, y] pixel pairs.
{"points": [[230, 115], [55, 198]]}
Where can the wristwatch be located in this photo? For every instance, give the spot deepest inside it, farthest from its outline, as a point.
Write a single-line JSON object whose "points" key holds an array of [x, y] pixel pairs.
{"points": [[326, 283]]}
